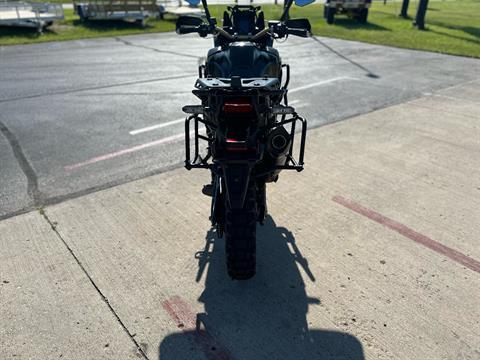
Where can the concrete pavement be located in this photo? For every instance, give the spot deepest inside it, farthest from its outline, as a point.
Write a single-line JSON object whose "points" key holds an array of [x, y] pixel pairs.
{"points": [[370, 253], [49, 309]]}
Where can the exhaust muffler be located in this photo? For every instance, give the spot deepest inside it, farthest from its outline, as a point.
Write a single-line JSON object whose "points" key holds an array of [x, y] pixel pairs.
{"points": [[279, 142]]}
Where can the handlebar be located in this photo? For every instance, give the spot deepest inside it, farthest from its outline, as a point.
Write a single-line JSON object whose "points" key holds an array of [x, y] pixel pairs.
{"points": [[298, 32], [261, 34], [184, 29], [225, 34], [280, 31]]}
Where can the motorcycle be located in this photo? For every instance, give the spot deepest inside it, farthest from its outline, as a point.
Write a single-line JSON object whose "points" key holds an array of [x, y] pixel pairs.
{"points": [[244, 121]]}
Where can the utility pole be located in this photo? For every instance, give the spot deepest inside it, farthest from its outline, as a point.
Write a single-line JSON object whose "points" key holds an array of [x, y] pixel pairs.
{"points": [[403, 12], [420, 18]]}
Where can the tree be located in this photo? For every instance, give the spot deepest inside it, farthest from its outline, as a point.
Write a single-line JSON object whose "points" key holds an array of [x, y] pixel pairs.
{"points": [[403, 12], [421, 11]]}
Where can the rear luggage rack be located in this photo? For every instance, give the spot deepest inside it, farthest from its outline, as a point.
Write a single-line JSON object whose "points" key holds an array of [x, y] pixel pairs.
{"points": [[237, 83]]}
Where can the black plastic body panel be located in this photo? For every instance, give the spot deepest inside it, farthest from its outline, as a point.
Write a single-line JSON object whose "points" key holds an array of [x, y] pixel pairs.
{"points": [[243, 59]]}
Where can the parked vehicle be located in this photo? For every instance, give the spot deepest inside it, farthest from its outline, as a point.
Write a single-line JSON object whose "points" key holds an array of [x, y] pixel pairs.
{"points": [[179, 8], [137, 11], [356, 9], [249, 127], [33, 15]]}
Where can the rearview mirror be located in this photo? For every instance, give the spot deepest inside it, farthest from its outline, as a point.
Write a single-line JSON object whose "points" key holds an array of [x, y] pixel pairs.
{"points": [[303, 2], [188, 21]]}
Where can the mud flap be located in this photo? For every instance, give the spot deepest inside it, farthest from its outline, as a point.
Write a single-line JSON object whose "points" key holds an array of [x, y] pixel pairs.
{"points": [[218, 203], [237, 177]]}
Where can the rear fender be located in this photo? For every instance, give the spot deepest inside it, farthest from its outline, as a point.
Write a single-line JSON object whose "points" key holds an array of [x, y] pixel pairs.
{"points": [[236, 176]]}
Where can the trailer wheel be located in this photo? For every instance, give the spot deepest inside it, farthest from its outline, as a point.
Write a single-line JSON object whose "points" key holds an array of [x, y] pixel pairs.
{"points": [[330, 15], [362, 16], [142, 23]]}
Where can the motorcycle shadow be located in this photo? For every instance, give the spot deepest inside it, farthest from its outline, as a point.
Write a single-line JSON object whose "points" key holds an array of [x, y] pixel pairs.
{"points": [[262, 318]]}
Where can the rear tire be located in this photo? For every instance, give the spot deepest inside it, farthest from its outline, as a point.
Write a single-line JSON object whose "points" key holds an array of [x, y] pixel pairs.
{"points": [[141, 23], [240, 237], [330, 15], [362, 16], [81, 13]]}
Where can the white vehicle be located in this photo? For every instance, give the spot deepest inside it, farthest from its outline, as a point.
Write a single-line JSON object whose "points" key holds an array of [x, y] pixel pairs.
{"points": [[179, 7], [127, 10], [357, 9], [32, 15]]}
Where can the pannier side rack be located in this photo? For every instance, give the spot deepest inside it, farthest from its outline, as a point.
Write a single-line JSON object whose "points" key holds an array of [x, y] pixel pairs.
{"points": [[200, 162]]}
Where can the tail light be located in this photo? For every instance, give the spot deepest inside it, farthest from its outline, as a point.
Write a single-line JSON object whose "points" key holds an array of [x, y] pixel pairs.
{"points": [[236, 139], [236, 145], [237, 106]]}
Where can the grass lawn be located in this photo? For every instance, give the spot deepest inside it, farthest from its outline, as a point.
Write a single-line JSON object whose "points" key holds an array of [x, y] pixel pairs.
{"points": [[72, 28], [453, 27]]}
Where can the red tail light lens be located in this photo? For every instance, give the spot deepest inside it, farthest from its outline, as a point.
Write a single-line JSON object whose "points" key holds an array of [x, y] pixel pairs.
{"points": [[237, 106], [234, 145]]}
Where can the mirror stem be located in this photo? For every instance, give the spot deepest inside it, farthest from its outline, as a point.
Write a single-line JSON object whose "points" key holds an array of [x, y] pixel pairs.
{"points": [[285, 10], [207, 12]]}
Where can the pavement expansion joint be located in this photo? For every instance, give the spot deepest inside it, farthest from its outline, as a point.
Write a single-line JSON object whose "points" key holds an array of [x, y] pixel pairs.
{"points": [[100, 87], [32, 180], [128, 43], [369, 73], [53, 226], [47, 201]]}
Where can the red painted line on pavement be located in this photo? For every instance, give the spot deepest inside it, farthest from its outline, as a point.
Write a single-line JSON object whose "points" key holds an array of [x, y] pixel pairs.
{"points": [[186, 319], [124, 152], [410, 233], [181, 313]]}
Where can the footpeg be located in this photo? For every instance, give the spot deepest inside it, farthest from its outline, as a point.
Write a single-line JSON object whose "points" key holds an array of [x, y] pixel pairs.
{"points": [[207, 190]]}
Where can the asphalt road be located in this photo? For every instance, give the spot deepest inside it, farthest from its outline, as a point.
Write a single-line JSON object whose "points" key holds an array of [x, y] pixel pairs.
{"points": [[77, 116]]}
